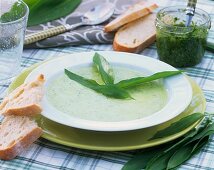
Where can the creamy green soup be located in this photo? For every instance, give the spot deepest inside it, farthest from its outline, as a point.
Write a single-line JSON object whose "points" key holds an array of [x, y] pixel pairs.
{"points": [[78, 101]]}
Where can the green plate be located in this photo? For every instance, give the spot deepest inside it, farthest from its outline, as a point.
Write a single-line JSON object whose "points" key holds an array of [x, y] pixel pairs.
{"points": [[112, 141]]}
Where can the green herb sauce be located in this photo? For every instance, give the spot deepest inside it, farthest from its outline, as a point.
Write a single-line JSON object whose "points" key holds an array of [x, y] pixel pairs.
{"points": [[78, 101], [181, 48]]}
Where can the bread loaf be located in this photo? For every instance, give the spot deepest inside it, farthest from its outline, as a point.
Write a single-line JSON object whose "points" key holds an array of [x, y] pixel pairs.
{"points": [[16, 134], [136, 35], [25, 100], [134, 12]]}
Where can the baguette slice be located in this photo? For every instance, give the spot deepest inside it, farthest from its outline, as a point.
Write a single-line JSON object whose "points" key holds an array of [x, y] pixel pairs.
{"points": [[134, 12], [136, 35], [24, 100], [16, 134]]}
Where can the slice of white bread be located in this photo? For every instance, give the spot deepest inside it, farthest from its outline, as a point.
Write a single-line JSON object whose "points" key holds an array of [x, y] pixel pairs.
{"points": [[136, 35], [134, 12], [16, 134], [24, 100]]}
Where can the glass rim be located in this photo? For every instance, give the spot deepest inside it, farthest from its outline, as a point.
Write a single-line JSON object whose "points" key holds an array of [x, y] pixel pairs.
{"points": [[21, 18], [208, 21]]}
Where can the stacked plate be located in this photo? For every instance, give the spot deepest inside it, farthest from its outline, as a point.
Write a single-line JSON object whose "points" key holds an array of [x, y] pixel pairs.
{"points": [[72, 118]]}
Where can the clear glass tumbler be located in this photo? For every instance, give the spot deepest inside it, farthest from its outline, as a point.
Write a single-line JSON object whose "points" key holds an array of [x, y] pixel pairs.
{"points": [[13, 21]]}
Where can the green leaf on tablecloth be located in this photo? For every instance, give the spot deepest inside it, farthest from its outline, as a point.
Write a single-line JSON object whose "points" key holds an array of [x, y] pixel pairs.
{"points": [[140, 160], [185, 152], [160, 161], [208, 131], [176, 153], [178, 126], [191, 146]]}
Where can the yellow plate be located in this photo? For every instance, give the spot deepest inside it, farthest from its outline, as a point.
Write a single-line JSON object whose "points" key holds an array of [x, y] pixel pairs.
{"points": [[112, 141]]}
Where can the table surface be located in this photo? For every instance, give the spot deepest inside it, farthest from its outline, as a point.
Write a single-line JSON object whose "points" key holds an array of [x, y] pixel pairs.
{"points": [[44, 154]]}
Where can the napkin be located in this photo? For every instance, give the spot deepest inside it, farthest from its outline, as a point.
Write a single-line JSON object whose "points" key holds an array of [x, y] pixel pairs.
{"points": [[83, 35]]}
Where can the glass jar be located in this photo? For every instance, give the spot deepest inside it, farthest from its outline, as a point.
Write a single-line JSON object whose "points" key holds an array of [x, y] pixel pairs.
{"points": [[178, 45]]}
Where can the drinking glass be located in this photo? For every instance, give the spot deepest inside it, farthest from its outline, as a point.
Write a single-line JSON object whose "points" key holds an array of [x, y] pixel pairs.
{"points": [[13, 21]]}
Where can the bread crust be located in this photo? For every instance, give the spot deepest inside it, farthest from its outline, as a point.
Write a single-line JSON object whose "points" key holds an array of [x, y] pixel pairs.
{"points": [[123, 48], [29, 95], [134, 27], [22, 94], [17, 147], [126, 18], [31, 110]]}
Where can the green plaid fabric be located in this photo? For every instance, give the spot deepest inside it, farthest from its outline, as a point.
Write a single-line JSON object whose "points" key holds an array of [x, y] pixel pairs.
{"points": [[46, 155]]}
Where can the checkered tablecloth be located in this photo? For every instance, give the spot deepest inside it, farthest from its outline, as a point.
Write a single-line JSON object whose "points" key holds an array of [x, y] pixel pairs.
{"points": [[47, 155]]}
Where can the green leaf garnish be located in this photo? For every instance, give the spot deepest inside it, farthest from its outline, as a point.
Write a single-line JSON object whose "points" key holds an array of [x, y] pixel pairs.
{"points": [[107, 90], [110, 89], [104, 69], [178, 126], [139, 80]]}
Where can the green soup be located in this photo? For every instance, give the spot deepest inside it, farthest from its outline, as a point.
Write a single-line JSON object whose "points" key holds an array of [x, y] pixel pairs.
{"points": [[78, 101]]}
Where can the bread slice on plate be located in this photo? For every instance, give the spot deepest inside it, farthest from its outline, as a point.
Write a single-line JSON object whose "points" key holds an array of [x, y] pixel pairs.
{"points": [[136, 11], [16, 134], [24, 100], [136, 35]]}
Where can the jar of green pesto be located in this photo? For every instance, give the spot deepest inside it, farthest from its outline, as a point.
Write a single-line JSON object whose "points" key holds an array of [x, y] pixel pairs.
{"points": [[178, 45]]}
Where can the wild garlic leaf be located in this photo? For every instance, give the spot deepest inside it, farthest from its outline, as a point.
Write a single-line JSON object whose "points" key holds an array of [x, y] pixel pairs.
{"points": [[179, 152], [185, 152], [104, 69], [180, 156], [139, 80], [114, 92], [190, 135], [189, 145], [192, 146], [160, 161], [178, 126], [42, 11], [193, 141], [209, 130], [201, 145], [140, 160], [107, 90]]}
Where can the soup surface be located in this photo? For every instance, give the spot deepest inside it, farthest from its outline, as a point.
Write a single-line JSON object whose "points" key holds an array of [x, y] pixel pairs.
{"points": [[78, 101]]}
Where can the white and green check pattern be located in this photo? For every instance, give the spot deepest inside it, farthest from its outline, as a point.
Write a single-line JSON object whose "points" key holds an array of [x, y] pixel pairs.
{"points": [[47, 155]]}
